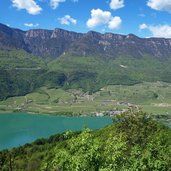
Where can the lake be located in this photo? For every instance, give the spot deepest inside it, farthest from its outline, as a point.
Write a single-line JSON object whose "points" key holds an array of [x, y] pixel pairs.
{"points": [[19, 128]]}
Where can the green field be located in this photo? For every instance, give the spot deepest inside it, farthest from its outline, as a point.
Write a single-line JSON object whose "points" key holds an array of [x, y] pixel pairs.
{"points": [[153, 98]]}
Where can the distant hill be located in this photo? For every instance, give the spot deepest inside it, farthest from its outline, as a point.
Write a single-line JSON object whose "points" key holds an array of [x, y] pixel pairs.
{"points": [[60, 58]]}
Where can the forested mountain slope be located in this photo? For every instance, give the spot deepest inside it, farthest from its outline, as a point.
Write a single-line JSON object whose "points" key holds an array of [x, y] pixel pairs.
{"points": [[60, 58]]}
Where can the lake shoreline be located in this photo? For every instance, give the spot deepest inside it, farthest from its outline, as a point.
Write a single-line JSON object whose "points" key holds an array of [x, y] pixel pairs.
{"points": [[107, 113], [17, 129], [50, 114]]}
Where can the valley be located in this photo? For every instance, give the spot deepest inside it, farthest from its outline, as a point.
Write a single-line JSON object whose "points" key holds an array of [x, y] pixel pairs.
{"points": [[74, 85]]}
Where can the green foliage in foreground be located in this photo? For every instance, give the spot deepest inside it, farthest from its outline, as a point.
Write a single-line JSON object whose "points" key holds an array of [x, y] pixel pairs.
{"points": [[134, 142]]}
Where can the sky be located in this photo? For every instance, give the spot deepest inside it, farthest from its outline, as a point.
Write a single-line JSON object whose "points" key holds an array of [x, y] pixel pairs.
{"points": [[144, 18]]}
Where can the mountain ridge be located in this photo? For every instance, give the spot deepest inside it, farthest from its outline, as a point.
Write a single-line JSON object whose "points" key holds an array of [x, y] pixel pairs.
{"points": [[53, 43]]}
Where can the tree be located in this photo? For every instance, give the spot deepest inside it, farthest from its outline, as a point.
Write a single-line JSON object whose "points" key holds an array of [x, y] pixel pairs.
{"points": [[80, 154]]}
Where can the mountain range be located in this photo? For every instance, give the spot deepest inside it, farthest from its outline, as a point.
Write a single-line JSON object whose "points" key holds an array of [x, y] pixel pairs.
{"points": [[59, 58], [53, 43]]}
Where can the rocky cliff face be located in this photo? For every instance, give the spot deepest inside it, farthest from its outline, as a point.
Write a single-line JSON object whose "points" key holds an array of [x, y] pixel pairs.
{"points": [[53, 43], [11, 38], [49, 43]]}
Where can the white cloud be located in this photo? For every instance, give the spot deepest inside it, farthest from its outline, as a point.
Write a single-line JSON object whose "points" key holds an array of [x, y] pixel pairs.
{"points": [[143, 26], [115, 23], [160, 5], [67, 20], [116, 4], [55, 3], [31, 25], [29, 5], [158, 30], [100, 17]]}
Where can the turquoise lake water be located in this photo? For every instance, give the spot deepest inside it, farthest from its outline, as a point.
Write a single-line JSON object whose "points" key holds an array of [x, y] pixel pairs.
{"points": [[19, 128]]}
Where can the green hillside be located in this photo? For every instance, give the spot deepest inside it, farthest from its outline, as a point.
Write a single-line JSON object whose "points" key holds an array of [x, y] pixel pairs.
{"points": [[21, 72], [134, 142], [18, 72], [92, 73]]}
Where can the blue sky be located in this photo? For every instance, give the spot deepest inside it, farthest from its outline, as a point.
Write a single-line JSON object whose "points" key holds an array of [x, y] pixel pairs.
{"points": [[145, 18]]}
